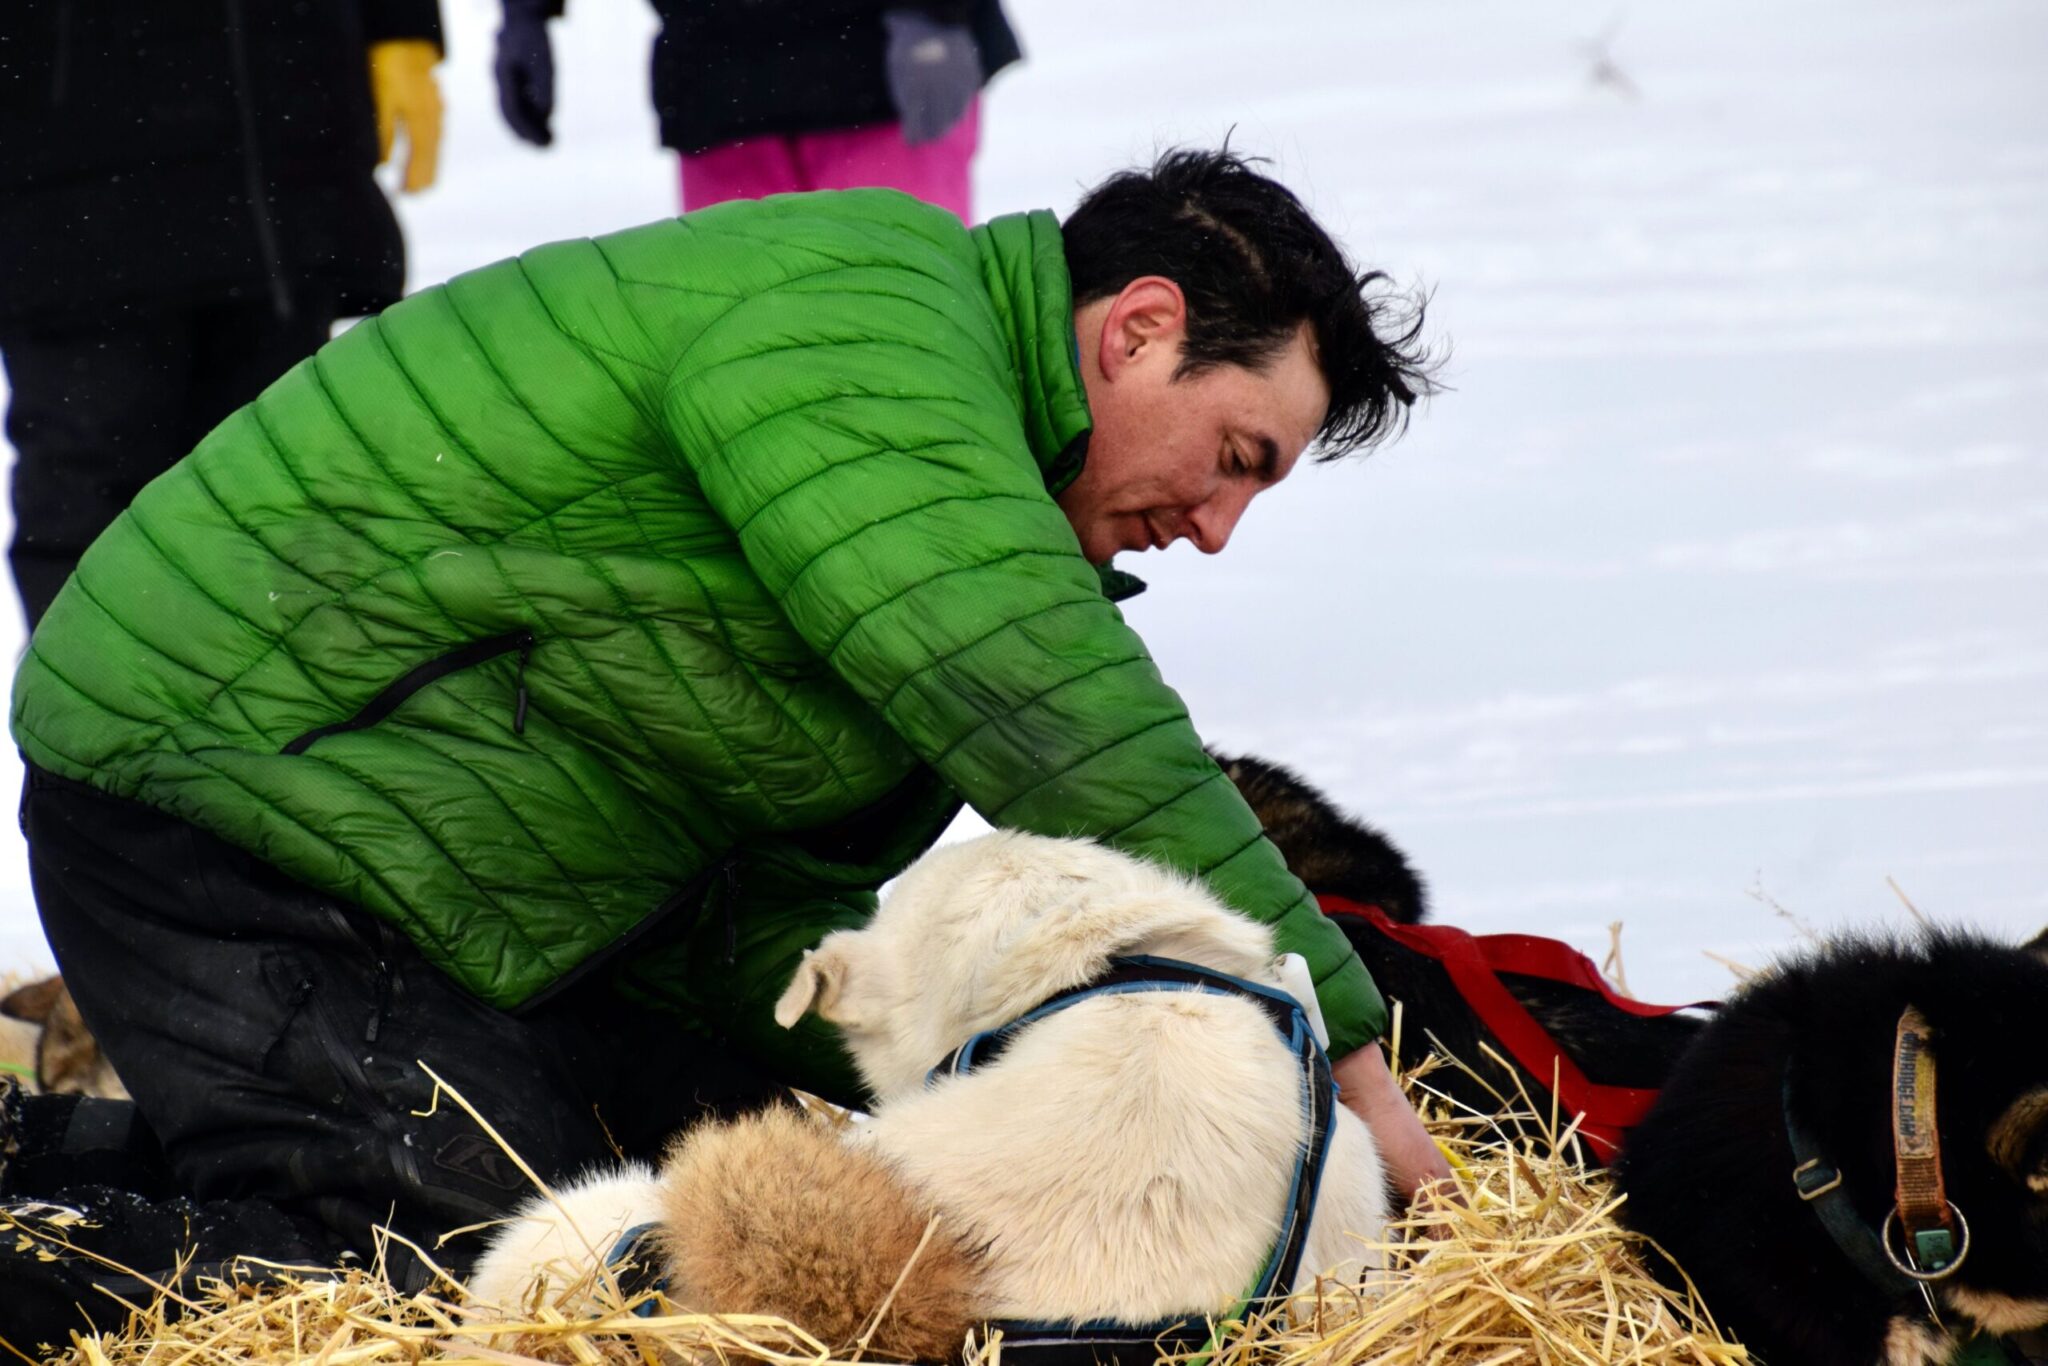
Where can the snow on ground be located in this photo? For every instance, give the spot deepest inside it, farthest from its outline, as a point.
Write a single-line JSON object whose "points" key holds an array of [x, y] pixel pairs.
{"points": [[1716, 580]]}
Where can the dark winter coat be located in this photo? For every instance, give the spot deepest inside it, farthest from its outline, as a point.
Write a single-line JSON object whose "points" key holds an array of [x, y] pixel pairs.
{"points": [[731, 69], [688, 571], [171, 151]]}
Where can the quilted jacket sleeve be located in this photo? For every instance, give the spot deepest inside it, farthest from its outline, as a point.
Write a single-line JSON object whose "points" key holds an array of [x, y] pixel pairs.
{"points": [[863, 438]]}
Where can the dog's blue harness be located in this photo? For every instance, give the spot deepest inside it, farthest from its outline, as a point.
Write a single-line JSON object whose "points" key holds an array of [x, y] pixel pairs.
{"points": [[1051, 1344], [1048, 1344], [635, 1267]]}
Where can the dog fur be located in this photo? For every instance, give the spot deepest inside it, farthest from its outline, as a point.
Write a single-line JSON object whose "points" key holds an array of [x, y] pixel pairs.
{"points": [[1334, 853], [1708, 1174], [66, 1058], [549, 1254], [777, 1213], [772, 1213], [1126, 1159]]}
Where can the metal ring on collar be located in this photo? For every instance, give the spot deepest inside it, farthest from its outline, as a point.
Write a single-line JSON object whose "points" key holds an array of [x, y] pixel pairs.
{"points": [[1906, 1268]]}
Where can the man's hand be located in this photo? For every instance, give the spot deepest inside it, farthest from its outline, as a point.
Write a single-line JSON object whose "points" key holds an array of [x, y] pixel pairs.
{"points": [[1411, 1156], [402, 86]]}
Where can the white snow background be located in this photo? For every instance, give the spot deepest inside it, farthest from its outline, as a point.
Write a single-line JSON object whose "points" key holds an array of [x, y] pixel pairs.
{"points": [[1715, 581]]}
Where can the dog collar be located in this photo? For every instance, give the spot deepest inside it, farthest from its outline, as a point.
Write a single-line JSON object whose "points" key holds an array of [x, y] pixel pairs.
{"points": [[1937, 1237], [1934, 1234]]}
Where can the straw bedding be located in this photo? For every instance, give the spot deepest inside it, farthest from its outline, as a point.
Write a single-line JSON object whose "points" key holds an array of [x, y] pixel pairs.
{"points": [[1531, 1268]]}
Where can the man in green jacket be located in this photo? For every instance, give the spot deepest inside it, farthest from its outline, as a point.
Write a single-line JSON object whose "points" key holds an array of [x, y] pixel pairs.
{"points": [[523, 682]]}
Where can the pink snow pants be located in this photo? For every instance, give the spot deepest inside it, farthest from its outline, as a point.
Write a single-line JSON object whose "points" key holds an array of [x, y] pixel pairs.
{"points": [[838, 159]]}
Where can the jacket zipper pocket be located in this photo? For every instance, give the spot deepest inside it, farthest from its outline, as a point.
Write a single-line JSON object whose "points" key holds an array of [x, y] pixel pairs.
{"points": [[394, 696]]}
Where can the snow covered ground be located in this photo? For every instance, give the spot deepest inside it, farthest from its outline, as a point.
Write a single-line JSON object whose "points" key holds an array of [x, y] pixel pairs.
{"points": [[1717, 580]]}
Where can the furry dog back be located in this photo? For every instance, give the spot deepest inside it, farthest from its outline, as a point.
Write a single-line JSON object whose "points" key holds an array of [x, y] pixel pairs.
{"points": [[1709, 1174]]}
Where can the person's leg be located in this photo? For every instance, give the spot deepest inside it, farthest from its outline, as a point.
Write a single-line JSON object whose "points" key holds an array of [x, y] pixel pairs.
{"points": [[239, 348], [95, 412], [751, 168], [273, 1036], [938, 172], [101, 405]]}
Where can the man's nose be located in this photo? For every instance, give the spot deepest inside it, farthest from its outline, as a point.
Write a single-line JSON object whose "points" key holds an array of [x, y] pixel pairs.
{"points": [[1210, 522]]}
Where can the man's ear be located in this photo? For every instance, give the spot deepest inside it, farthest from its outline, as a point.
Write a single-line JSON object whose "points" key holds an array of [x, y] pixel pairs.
{"points": [[1149, 312], [819, 984]]}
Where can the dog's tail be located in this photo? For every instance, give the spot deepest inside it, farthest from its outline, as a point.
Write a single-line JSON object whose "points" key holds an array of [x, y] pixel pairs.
{"points": [[777, 1213]]}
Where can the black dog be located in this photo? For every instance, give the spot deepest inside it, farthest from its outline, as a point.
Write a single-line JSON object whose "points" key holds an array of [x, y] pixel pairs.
{"points": [[1328, 850], [1803, 1058], [1337, 856]]}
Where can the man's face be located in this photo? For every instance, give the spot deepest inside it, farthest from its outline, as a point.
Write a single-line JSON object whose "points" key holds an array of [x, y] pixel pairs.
{"points": [[1180, 458]]}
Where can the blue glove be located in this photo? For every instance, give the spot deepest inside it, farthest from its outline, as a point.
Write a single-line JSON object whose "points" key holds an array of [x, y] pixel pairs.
{"points": [[934, 70], [525, 69]]}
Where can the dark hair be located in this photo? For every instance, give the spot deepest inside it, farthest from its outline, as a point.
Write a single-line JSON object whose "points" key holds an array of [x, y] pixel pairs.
{"points": [[1254, 267]]}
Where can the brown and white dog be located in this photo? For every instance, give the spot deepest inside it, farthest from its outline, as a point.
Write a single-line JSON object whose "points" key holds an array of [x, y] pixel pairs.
{"points": [[1127, 1159]]}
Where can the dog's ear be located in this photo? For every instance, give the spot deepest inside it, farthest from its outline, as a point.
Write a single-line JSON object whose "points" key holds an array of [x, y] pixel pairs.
{"points": [[822, 982], [35, 1001], [815, 984], [2015, 1141], [68, 1058]]}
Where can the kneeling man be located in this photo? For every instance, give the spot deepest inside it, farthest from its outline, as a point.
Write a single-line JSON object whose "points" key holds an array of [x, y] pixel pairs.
{"points": [[522, 683]]}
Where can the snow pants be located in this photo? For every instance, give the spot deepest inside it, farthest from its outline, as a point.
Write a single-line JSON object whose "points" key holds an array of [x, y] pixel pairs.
{"points": [[273, 1038], [103, 403], [839, 159]]}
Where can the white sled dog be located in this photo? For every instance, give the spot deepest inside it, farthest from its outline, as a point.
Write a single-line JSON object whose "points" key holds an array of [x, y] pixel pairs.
{"points": [[1128, 1158]]}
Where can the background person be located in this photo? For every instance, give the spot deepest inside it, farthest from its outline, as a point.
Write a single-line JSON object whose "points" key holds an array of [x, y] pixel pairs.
{"points": [[762, 97], [186, 206]]}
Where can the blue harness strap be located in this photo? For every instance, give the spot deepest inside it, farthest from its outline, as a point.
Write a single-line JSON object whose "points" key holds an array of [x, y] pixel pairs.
{"points": [[636, 1267], [1045, 1344]]}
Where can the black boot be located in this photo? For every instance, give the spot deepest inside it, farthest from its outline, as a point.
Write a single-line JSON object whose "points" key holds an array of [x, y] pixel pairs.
{"points": [[89, 1219], [77, 1261], [51, 1143]]}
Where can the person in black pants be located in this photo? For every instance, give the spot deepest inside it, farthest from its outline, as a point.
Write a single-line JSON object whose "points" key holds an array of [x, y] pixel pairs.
{"points": [[186, 206], [316, 1000]]}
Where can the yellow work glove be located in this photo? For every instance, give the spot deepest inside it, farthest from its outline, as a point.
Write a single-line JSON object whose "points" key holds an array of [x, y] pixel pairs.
{"points": [[402, 83]]}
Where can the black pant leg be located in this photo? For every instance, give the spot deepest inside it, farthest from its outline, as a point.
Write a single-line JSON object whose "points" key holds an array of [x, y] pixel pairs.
{"points": [[96, 409], [272, 1036], [103, 404], [239, 347]]}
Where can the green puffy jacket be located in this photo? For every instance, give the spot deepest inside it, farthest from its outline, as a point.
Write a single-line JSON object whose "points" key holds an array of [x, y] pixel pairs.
{"points": [[700, 564]]}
